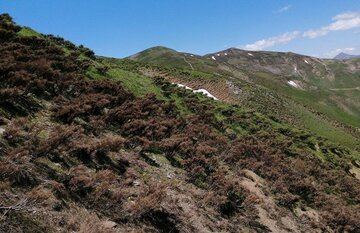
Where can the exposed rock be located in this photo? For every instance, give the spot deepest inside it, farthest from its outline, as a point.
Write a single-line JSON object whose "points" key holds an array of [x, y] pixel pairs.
{"points": [[356, 172], [269, 215], [136, 183], [109, 224]]}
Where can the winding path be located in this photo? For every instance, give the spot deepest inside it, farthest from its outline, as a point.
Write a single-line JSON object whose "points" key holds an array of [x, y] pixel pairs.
{"points": [[188, 63]]}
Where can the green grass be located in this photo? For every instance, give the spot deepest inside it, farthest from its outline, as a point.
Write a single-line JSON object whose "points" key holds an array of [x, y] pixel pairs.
{"points": [[324, 128], [137, 84], [28, 32], [94, 74], [180, 104], [297, 109], [319, 100], [169, 58], [322, 102]]}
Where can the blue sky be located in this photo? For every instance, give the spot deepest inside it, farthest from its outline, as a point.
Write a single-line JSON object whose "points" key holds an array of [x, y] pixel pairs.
{"points": [[120, 28]]}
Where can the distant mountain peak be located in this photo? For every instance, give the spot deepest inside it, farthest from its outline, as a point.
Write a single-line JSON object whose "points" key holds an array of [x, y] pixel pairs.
{"points": [[345, 56]]}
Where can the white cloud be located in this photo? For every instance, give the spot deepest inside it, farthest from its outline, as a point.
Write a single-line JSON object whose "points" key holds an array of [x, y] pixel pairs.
{"points": [[270, 42], [344, 21], [346, 15], [345, 50], [283, 9]]}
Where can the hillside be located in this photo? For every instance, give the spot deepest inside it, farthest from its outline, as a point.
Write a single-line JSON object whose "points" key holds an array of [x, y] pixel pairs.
{"points": [[320, 95], [95, 144], [327, 86]]}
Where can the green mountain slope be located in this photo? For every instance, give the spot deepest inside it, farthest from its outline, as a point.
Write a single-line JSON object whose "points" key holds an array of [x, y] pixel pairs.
{"points": [[278, 84], [94, 144], [315, 80]]}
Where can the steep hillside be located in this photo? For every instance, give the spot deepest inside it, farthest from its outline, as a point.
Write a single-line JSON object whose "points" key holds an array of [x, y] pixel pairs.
{"points": [[321, 95], [327, 86], [91, 144]]}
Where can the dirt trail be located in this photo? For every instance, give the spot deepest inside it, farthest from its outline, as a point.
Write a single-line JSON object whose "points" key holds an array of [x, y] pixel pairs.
{"points": [[188, 63]]}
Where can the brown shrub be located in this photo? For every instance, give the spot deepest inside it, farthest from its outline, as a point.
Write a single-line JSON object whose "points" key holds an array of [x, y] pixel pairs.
{"points": [[81, 181], [150, 201], [16, 168], [41, 195]]}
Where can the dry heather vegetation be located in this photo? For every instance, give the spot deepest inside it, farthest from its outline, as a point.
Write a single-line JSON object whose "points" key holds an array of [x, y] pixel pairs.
{"points": [[86, 155]]}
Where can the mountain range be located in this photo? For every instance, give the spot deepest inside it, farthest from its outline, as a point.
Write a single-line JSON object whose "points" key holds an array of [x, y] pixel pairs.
{"points": [[168, 141], [345, 56]]}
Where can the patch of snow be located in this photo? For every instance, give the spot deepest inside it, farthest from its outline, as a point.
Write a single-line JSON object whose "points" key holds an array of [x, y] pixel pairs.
{"points": [[294, 84], [250, 54], [295, 68], [218, 54], [225, 54], [180, 85], [205, 92], [188, 54], [213, 58], [2, 130], [306, 61], [202, 91]]}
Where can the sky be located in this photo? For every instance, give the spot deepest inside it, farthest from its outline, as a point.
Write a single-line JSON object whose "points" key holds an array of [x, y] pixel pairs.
{"points": [[120, 28]]}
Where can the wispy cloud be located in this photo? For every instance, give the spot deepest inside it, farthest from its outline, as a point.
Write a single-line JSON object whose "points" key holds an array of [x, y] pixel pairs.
{"points": [[344, 21], [283, 9], [272, 41], [341, 22]]}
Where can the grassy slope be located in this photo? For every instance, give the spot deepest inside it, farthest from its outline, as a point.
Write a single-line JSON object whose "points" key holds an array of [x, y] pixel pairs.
{"points": [[127, 72], [339, 105], [319, 100], [140, 85], [246, 123], [169, 58], [303, 104], [28, 32]]}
